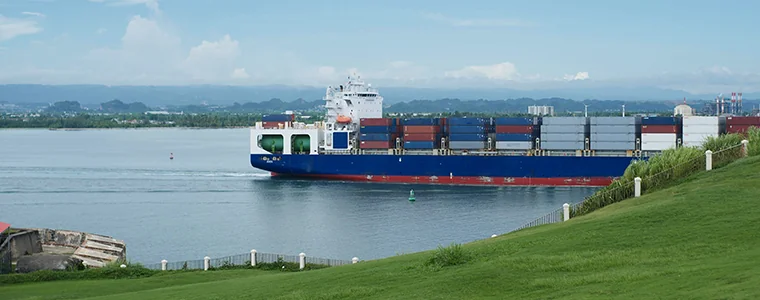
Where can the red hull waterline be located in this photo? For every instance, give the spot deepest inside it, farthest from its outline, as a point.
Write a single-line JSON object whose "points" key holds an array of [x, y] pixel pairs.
{"points": [[467, 180]]}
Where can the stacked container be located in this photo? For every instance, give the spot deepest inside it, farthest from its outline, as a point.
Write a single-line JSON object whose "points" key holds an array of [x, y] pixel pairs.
{"points": [[563, 133], [696, 129], [659, 133], [421, 133], [612, 133], [514, 133], [377, 133], [275, 121], [741, 124], [467, 133]]}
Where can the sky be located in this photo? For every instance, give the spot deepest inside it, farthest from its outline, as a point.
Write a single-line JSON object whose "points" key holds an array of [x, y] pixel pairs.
{"points": [[698, 46]]}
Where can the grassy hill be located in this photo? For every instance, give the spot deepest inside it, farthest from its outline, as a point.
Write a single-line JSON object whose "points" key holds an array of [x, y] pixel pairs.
{"points": [[697, 240]]}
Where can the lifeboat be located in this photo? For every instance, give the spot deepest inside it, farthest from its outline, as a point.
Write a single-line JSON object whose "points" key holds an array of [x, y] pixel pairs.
{"points": [[344, 119]]}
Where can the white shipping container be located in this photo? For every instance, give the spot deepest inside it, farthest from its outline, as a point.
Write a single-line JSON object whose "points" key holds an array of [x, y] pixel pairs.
{"points": [[700, 120], [699, 128], [692, 144], [657, 146], [697, 136], [505, 145], [658, 137]]}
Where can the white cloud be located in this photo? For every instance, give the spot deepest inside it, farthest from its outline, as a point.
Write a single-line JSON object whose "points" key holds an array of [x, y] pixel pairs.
{"points": [[211, 60], [577, 76], [12, 27], [476, 22], [151, 4], [35, 14], [240, 73], [500, 71]]}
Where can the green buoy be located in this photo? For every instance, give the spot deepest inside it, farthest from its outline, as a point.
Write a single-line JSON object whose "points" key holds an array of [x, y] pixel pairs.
{"points": [[411, 195]]}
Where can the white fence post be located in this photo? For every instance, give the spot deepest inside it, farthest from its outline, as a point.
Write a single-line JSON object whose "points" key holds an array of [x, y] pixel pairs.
{"points": [[637, 187], [354, 260], [163, 264], [708, 160], [745, 148], [206, 263], [253, 257], [493, 235], [566, 211], [302, 260]]}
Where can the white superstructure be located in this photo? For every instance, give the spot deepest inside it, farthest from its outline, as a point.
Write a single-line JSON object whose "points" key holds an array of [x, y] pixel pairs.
{"points": [[346, 104]]}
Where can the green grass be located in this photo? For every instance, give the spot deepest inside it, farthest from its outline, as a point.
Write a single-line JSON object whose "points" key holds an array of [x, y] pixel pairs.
{"points": [[697, 240]]}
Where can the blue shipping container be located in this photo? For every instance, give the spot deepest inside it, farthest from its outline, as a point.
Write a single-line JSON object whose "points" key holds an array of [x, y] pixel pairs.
{"points": [[277, 118], [466, 129], [420, 145], [514, 137], [468, 137], [659, 121], [421, 121], [376, 129], [513, 121], [375, 136], [467, 121]]}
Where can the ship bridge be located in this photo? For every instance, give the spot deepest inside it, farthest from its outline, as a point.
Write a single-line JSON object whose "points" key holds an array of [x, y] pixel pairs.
{"points": [[349, 102]]}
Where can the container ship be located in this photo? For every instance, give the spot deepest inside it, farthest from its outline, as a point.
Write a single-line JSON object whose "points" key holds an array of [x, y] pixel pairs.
{"points": [[355, 143]]}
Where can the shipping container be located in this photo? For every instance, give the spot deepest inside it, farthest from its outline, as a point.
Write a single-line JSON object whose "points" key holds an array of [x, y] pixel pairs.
{"points": [[515, 137], [658, 137], [422, 129], [563, 129], [375, 137], [739, 128], [273, 124], [468, 137], [376, 121], [613, 137], [562, 137], [609, 145], [278, 118], [701, 129], [612, 129], [514, 129], [659, 129], [564, 121], [505, 145], [421, 145], [513, 121], [377, 144], [421, 121], [657, 146], [700, 120], [692, 143], [562, 146], [467, 145], [376, 129], [422, 137], [466, 129], [743, 121], [467, 121], [659, 120], [697, 137], [617, 121]]}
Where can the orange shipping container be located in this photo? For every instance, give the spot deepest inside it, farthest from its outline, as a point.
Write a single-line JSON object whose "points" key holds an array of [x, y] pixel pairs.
{"points": [[420, 137]]}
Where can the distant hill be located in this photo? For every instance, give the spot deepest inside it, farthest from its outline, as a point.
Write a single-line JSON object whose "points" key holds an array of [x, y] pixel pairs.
{"points": [[155, 96]]}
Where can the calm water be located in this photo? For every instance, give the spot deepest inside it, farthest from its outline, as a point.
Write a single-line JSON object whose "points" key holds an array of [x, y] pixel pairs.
{"points": [[209, 201]]}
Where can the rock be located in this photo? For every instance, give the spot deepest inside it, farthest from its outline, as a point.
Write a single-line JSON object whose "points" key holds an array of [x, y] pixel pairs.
{"points": [[31, 263]]}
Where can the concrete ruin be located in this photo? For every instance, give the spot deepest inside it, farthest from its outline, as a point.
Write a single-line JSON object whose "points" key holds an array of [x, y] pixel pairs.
{"points": [[92, 250]]}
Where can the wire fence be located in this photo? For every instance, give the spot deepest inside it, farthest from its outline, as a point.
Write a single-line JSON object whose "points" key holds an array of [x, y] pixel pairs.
{"points": [[620, 190], [244, 260]]}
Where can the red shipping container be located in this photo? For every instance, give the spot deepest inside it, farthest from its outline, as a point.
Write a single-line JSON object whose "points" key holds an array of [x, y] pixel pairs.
{"points": [[659, 129], [375, 145], [420, 137], [375, 121], [514, 129], [422, 129], [739, 128], [743, 121], [273, 124]]}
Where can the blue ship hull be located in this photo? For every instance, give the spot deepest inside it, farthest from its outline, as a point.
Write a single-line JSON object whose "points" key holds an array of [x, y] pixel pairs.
{"points": [[445, 169]]}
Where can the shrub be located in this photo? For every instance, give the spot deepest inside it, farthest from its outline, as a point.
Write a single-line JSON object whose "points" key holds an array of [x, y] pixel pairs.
{"points": [[452, 255]]}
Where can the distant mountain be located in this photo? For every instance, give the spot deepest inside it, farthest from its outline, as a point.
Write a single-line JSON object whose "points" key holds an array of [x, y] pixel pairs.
{"points": [[155, 96]]}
